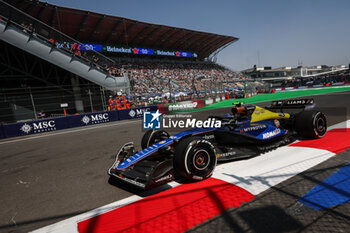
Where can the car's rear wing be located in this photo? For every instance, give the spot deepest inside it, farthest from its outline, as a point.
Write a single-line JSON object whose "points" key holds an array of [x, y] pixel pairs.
{"points": [[292, 103]]}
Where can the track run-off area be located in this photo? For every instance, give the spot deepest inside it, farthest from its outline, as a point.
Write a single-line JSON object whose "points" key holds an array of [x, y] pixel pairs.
{"points": [[58, 182]]}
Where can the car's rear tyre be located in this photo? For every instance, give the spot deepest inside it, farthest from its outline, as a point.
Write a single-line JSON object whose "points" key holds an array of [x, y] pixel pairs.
{"points": [[195, 158], [311, 124], [153, 136]]}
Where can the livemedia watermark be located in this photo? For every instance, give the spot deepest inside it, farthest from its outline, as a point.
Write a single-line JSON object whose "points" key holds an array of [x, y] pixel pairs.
{"points": [[156, 120]]}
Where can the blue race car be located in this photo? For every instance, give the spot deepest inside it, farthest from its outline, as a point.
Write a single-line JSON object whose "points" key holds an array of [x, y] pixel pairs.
{"points": [[193, 154]]}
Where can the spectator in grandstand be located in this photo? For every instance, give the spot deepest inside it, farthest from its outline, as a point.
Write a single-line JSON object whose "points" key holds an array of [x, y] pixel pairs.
{"points": [[85, 55], [41, 114], [53, 41], [65, 46], [30, 27], [27, 27], [74, 48], [95, 60]]}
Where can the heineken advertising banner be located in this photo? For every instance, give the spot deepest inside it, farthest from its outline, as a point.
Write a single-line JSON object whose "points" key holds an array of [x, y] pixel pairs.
{"points": [[144, 51], [128, 50]]}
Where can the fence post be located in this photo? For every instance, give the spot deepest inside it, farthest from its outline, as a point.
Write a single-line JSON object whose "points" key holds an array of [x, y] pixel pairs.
{"points": [[33, 104]]}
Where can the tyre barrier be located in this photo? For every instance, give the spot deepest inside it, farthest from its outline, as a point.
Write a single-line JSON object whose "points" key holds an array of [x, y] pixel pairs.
{"points": [[53, 124]]}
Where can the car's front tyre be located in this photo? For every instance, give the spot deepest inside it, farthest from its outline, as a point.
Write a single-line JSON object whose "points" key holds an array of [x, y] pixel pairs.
{"points": [[153, 136], [195, 158]]}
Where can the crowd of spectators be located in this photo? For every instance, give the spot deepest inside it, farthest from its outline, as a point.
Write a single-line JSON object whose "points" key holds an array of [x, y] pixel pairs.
{"points": [[148, 77]]}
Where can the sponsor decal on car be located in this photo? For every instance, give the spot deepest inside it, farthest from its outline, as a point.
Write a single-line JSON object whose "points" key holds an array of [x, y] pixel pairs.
{"points": [[211, 136], [271, 133], [197, 177], [277, 123], [131, 181], [168, 177], [253, 128], [226, 154]]}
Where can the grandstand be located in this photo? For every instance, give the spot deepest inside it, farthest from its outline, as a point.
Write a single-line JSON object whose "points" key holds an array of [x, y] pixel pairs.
{"points": [[300, 76], [57, 55]]}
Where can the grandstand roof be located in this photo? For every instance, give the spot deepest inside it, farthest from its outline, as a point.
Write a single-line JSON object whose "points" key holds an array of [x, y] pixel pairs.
{"points": [[86, 26]]}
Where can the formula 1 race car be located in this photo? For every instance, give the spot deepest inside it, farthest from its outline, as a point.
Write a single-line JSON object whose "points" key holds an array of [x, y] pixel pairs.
{"points": [[193, 154]]}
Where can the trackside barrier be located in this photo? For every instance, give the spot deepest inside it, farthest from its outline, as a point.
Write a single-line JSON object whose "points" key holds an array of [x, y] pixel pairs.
{"points": [[52, 124], [132, 113], [33, 127], [1, 132], [163, 108], [92, 118], [310, 86], [209, 101], [186, 105], [338, 84], [181, 106]]}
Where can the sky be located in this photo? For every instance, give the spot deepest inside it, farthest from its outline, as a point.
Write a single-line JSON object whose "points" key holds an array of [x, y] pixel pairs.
{"points": [[271, 32]]}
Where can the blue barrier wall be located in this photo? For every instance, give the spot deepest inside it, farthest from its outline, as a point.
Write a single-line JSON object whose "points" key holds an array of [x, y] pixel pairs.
{"points": [[1, 132], [135, 112], [51, 124], [33, 127], [92, 118]]}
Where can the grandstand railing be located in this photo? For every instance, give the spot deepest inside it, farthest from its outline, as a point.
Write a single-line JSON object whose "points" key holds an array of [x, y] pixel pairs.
{"points": [[57, 39]]}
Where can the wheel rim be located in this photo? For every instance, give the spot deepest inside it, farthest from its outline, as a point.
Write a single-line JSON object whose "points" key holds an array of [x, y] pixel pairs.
{"points": [[201, 160], [320, 126]]}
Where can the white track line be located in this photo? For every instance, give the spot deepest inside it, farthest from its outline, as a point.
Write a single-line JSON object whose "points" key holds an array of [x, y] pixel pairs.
{"points": [[341, 125], [265, 171], [54, 133]]}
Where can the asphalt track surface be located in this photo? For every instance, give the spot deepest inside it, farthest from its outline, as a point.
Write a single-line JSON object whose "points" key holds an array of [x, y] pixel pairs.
{"points": [[49, 177]]}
